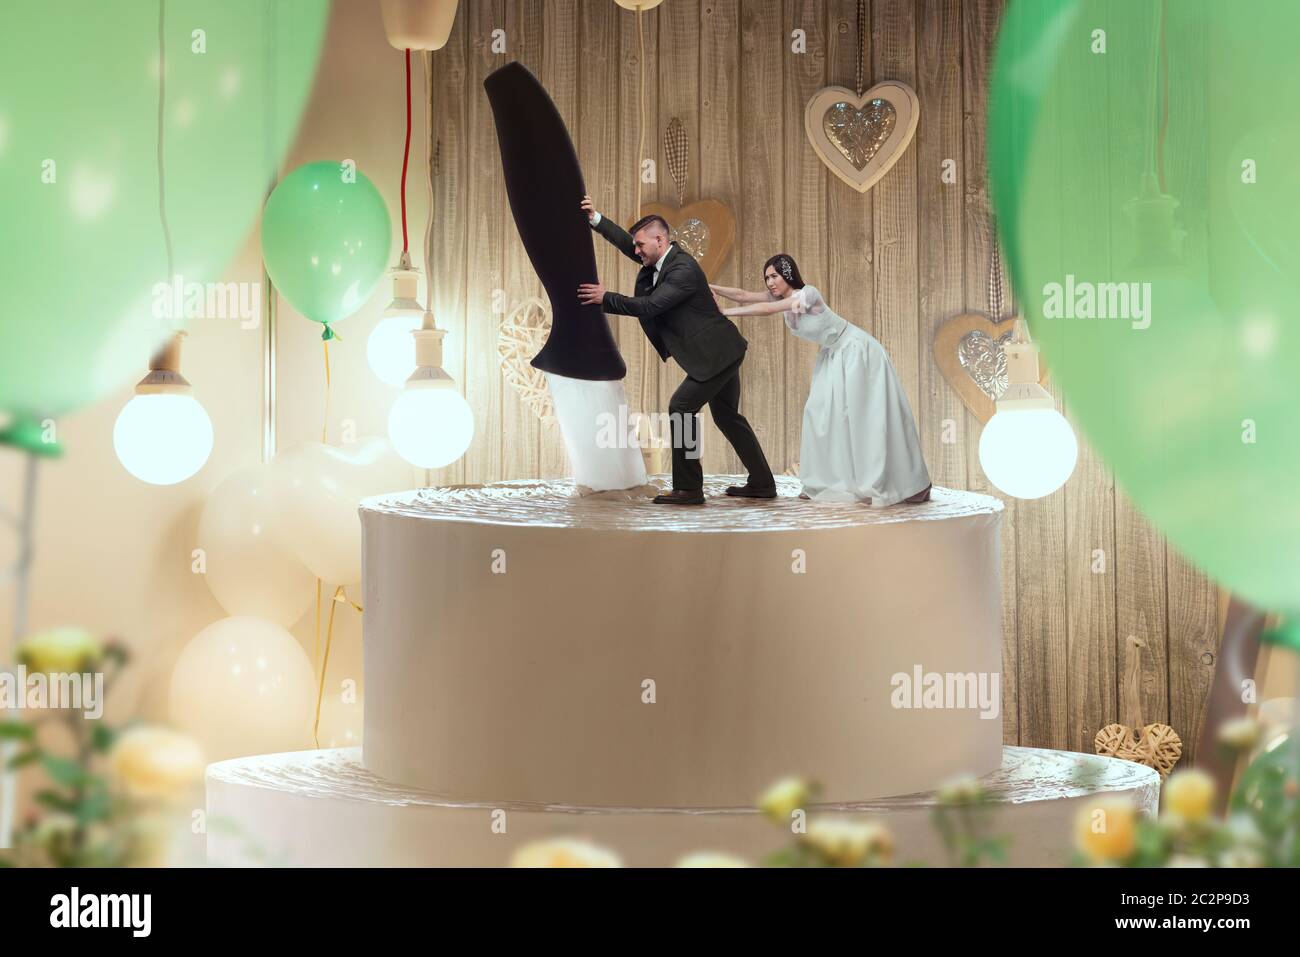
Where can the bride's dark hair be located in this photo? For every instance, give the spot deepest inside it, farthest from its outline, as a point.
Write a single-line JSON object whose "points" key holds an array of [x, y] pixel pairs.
{"points": [[786, 268]]}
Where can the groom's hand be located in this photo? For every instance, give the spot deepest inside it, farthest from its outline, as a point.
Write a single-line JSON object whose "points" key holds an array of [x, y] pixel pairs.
{"points": [[589, 208], [591, 293]]}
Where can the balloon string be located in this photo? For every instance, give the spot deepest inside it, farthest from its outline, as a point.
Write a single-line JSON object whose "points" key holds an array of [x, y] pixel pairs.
{"points": [[340, 595], [315, 645], [324, 428]]}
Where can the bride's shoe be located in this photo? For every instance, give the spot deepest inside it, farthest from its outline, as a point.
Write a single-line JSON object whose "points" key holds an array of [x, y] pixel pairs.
{"points": [[919, 497]]}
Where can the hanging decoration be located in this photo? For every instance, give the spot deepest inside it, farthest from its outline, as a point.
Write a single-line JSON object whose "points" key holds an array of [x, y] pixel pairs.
{"points": [[706, 228], [163, 435], [861, 135], [522, 334], [430, 423], [1154, 745], [970, 349], [418, 24]]}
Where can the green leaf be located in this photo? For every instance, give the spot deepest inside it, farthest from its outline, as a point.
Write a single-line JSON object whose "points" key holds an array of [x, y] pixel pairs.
{"points": [[102, 738], [16, 730], [64, 771], [27, 757], [56, 801], [95, 807]]}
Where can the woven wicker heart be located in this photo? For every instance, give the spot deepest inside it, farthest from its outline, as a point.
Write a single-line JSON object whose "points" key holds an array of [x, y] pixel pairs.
{"points": [[522, 334], [968, 351], [1156, 745], [860, 138]]}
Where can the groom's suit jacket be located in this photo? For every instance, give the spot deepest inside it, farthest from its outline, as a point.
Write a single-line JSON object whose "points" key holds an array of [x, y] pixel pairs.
{"points": [[678, 313]]}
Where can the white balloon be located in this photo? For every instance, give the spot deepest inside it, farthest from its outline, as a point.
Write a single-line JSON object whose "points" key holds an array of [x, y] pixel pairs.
{"points": [[248, 570], [318, 488], [243, 686], [341, 719]]}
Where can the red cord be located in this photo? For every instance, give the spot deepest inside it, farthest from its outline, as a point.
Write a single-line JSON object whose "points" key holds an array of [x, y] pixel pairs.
{"points": [[406, 153]]}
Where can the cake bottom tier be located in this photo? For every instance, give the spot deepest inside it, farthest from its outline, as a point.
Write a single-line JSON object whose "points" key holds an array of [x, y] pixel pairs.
{"points": [[324, 809]]}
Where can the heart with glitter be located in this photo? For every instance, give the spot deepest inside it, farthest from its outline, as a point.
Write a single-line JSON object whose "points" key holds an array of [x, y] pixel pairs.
{"points": [[859, 133], [860, 137], [706, 229], [968, 349]]}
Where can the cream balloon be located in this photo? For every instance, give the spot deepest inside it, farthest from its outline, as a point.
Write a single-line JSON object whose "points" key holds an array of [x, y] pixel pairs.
{"points": [[248, 570], [341, 718], [242, 686], [318, 488]]}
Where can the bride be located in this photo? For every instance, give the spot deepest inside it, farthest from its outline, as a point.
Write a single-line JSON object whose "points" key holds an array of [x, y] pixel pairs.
{"points": [[859, 440]]}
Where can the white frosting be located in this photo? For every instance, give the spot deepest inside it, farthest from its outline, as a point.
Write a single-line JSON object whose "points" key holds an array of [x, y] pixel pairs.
{"points": [[314, 808]]}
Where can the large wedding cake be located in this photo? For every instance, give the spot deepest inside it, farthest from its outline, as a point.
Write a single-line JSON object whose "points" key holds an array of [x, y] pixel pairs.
{"points": [[540, 663]]}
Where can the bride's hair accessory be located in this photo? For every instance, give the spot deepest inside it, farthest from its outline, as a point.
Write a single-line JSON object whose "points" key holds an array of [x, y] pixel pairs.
{"points": [[786, 266]]}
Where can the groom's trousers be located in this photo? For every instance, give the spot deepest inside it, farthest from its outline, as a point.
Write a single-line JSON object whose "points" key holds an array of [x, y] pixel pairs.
{"points": [[722, 395]]}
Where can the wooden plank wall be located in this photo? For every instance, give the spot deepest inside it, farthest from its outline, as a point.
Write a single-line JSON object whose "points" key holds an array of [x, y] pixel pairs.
{"points": [[1087, 582]]}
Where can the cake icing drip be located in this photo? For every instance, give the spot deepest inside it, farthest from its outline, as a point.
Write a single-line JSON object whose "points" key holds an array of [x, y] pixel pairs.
{"points": [[558, 503]]}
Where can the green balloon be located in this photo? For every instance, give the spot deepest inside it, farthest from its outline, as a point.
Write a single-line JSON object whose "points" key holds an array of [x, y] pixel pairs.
{"points": [[1148, 208], [84, 247], [325, 240]]}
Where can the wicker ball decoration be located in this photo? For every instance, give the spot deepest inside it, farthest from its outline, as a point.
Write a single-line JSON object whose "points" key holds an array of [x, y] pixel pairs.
{"points": [[522, 334], [1156, 745]]}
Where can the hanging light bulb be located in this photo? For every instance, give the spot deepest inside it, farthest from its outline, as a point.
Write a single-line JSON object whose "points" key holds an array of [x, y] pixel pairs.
{"points": [[388, 350], [1027, 449], [163, 435], [430, 424]]}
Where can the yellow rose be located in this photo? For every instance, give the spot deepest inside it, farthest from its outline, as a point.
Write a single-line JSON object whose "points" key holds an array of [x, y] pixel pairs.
{"points": [[1190, 795], [844, 842], [564, 852], [965, 789], [1106, 829], [156, 762], [1240, 734], [60, 651], [711, 859], [783, 798]]}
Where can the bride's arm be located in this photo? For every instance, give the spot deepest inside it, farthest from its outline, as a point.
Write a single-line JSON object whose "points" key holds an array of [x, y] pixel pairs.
{"points": [[765, 308], [739, 295]]}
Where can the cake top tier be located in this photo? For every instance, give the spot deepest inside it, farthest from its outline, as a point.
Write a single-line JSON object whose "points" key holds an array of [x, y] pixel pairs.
{"points": [[558, 503]]}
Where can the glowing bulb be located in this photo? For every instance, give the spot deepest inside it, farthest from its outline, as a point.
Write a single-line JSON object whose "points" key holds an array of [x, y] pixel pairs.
{"points": [[389, 349], [430, 427], [1028, 453], [162, 438]]}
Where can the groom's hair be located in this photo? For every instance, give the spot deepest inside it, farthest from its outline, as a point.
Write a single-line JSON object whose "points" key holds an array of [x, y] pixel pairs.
{"points": [[652, 220]]}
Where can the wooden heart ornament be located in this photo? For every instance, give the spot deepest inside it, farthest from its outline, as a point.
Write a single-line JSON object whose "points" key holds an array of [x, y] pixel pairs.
{"points": [[1156, 745], [968, 350], [859, 137], [705, 229]]}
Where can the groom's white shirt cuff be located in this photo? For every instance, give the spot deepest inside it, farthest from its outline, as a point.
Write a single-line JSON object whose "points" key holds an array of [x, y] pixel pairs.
{"points": [[595, 219]]}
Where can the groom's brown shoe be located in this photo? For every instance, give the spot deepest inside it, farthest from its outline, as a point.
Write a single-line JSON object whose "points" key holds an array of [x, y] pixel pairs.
{"points": [[680, 496], [751, 491]]}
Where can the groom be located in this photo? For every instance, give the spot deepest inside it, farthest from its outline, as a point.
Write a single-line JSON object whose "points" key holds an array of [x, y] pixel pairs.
{"points": [[681, 319]]}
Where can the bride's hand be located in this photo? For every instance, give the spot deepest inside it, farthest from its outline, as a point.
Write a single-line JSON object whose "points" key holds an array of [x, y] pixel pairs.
{"points": [[797, 306]]}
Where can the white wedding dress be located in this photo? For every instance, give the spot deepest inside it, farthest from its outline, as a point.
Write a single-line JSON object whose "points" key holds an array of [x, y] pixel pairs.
{"points": [[859, 438]]}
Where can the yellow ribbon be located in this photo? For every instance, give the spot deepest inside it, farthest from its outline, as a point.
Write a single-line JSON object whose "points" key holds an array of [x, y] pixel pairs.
{"points": [[340, 595]]}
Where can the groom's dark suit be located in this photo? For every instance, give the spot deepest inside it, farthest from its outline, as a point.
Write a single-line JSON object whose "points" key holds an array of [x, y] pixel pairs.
{"points": [[681, 319]]}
